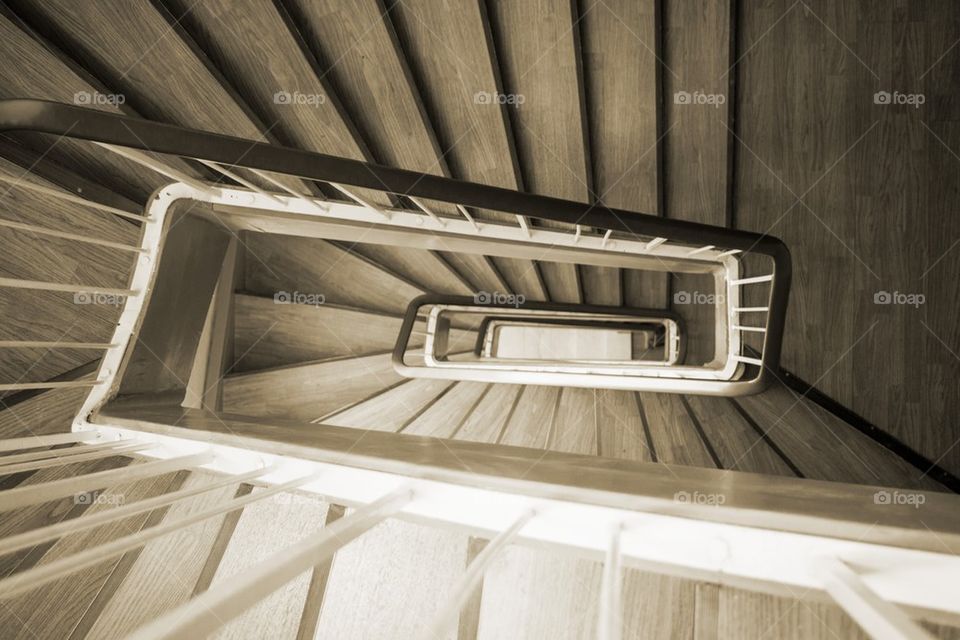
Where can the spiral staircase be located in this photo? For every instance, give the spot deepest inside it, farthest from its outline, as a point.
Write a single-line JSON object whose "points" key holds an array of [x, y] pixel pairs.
{"points": [[300, 328]]}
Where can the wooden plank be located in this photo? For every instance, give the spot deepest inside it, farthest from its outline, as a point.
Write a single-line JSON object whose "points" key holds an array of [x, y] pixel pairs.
{"points": [[168, 338], [446, 415], [697, 154], [424, 268], [66, 600], [488, 419], [620, 427], [618, 35], [37, 72], [277, 264], [265, 528], [476, 270], [358, 52], [363, 599], [307, 391], [575, 427], [533, 420], [394, 409], [538, 594], [271, 335], [744, 615], [549, 126], [823, 446], [474, 132], [673, 432], [737, 444], [167, 569]]}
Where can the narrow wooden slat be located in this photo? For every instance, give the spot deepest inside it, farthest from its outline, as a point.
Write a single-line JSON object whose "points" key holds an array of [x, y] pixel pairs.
{"points": [[451, 610], [160, 167], [25, 386], [122, 447], [51, 532], [879, 618], [16, 283], [25, 496], [209, 611], [63, 195], [27, 580], [38, 344], [66, 235], [32, 442]]}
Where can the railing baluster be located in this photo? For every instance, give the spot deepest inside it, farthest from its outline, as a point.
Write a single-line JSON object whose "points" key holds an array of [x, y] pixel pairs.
{"points": [[466, 214], [299, 196], [472, 577], [56, 453], [34, 442], [876, 616], [69, 197], [694, 252], [40, 344], [32, 578], [359, 200], [239, 179], [53, 233], [27, 386], [212, 609], [427, 210], [753, 280], [656, 242], [88, 521], [123, 447], [55, 489], [611, 617], [17, 283], [156, 165]]}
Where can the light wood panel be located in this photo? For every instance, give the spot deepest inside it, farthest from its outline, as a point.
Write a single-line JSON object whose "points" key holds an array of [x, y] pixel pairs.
{"points": [[391, 582], [425, 268], [34, 71], [167, 568], [264, 528], [477, 270], [575, 426], [823, 446], [392, 410], [622, 108], [620, 427], [736, 443], [449, 49], [533, 420], [288, 264], [488, 419], [538, 50], [444, 417], [270, 334], [674, 435], [66, 600], [537, 594], [308, 391], [697, 140]]}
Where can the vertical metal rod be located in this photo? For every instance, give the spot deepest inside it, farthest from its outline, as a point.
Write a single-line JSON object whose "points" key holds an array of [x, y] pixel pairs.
{"points": [[610, 625], [206, 613], [876, 616], [471, 578]]}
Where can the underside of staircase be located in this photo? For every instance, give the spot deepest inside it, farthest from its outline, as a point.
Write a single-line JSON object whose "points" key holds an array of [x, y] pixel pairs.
{"points": [[415, 85]]}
